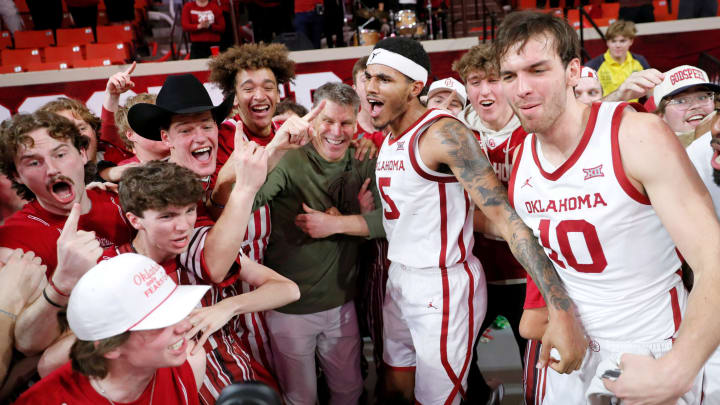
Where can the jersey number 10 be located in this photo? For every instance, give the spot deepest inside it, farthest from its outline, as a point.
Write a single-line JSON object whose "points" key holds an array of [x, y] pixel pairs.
{"points": [[599, 262]]}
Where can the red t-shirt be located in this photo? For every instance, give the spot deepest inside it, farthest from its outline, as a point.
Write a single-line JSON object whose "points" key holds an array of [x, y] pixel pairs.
{"points": [[173, 386], [191, 18], [533, 297], [133, 159], [303, 6], [34, 228], [115, 149]]}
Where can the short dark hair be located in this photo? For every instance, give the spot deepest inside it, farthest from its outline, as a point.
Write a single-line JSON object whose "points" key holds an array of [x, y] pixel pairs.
{"points": [[359, 66], [338, 93], [520, 26], [14, 135], [157, 185]]}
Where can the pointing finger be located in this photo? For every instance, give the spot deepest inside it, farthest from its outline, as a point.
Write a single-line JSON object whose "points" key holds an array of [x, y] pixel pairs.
{"points": [[71, 223], [314, 112], [131, 68]]}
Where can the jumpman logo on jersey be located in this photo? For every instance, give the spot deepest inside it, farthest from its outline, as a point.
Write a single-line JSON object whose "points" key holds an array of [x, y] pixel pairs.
{"points": [[430, 305], [401, 145], [527, 182], [593, 172]]}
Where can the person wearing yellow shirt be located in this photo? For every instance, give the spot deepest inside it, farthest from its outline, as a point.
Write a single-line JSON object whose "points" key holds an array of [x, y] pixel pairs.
{"points": [[617, 63]]}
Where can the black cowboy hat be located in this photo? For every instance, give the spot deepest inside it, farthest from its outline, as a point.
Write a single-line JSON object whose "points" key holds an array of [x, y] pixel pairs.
{"points": [[180, 94]]}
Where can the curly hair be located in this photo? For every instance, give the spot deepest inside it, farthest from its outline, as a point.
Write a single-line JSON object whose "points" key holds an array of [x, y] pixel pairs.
{"points": [[478, 58], [224, 67], [121, 121], [156, 185], [14, 136], [78, 109]]}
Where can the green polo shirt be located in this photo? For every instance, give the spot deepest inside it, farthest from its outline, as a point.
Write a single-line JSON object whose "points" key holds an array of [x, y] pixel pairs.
{"points": [[324, 269]]}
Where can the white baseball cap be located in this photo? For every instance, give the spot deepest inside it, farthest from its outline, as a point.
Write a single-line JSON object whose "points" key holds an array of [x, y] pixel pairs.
{"points": [[588, 72], [128, 292], [448, 84], [680, 79]]}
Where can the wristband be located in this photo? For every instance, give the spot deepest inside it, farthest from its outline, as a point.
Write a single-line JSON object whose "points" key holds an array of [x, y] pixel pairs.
{"points": [[51, 302], [9, 314], [57, 290]]}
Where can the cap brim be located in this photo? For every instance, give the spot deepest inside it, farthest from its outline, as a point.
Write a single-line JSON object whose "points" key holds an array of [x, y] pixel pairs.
{"points": [[175, 308], [147, 119], [711, 86]]}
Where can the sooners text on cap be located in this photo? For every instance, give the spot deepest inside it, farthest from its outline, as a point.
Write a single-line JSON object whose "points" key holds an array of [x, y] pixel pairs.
{"points": [[685, 74]]}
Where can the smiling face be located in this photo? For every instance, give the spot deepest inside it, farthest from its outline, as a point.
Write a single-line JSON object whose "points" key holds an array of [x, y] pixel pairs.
{"points": [[619, 46], [85, 129], [193, 141], [165, 232], [536, 84], [53, 169], [147, 149], [155, 348], [334, 128], [389, 93], [694, 105], [488, 100], [256, 94], [439, 97], [588, 90]]}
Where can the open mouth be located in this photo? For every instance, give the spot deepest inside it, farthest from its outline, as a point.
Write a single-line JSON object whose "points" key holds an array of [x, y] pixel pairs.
{"points": [[62, 190], [487, 103], [260, 109], [333, 141], [180, 242], [202, 154], [376, 107], [695, 119], [715, 162], [177, 345]]}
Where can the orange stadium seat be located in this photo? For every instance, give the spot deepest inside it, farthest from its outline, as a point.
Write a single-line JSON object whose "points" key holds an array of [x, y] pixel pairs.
{"points": [[35, 67], [75, 36], [21, 57], [33, 39], [610, 10], [661, 10], [5, 40], [115, 33], [64, 53], [92, 62], [117, 52], [11, 69]]}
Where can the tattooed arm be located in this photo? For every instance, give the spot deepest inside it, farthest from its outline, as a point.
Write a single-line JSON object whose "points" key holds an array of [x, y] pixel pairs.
{"points": [[448, 144]]}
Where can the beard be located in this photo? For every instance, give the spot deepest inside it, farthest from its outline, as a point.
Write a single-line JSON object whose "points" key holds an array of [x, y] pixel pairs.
{"points": [[716, 176]]}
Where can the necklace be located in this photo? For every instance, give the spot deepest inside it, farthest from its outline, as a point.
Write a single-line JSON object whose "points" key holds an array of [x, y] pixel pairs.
{"points": [[96, 383]]}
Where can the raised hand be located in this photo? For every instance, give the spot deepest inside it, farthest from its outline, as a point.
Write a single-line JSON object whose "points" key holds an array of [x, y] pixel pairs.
{"points": [[208, 320], [365, 198], [120, 82], [251, 165], [364, 147], [77, 252], [637, 85], [296, 131]]}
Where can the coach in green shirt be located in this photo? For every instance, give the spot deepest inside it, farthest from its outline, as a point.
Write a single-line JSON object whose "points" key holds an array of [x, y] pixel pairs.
{"points": [[316, 212]]}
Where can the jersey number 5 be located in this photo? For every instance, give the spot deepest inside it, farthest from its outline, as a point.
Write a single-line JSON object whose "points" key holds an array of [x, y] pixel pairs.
{"points": [[590, 236], [393, 213]]}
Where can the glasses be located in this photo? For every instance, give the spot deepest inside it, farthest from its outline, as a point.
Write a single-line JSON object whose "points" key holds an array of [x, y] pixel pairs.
{"points": [[684, 103]]}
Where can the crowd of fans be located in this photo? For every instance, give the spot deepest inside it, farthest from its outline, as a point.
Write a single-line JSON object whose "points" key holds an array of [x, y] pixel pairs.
{"points": [[172, 247]]}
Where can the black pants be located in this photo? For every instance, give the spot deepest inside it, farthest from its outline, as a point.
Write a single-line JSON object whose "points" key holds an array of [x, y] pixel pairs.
{"points": [[199, 50], [267, 21], [505, 300], [120, 10], [84, 16], [641, 14], [46, 14]]}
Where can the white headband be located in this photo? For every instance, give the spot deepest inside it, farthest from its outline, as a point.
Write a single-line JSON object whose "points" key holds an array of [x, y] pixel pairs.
{"points": [[402, 64]]}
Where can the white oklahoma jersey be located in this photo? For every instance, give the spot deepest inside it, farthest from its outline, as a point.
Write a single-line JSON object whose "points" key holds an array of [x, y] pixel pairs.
{"points": [[605, 239], [427, 215]]}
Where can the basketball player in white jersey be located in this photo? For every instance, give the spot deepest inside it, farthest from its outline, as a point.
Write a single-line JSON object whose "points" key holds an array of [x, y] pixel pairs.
{"points": [[430, 171], [600, 185]]}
